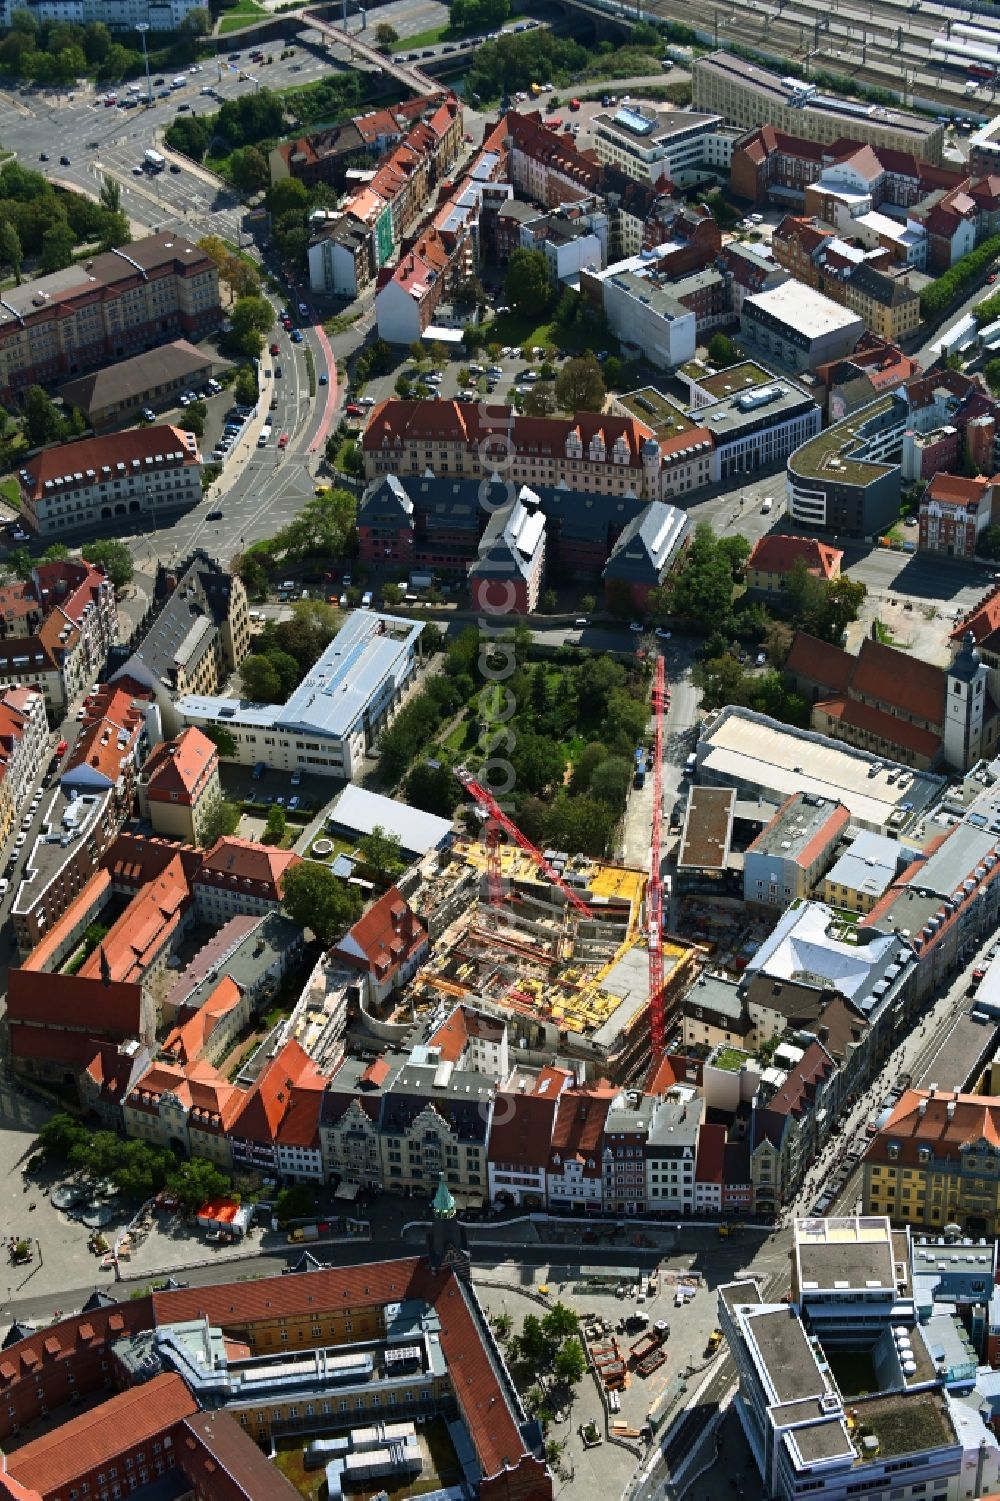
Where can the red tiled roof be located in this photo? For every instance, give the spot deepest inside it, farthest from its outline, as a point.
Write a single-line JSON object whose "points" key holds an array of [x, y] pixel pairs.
{"points": [[231, 860], [819, 662], [131, 448], [779, 554], [188, 1040], [300, 1127], [983, 620], [395, 422], [270, 1098], [888, 727], [156, 911], [521, 1130], [974, 1118], [87, 1441], [491, 1424], [178, 770], [579, 1126], [711, 1158], [75, 1049], [901, 679], [386, 936], [814, 1066], [74, 1003]]}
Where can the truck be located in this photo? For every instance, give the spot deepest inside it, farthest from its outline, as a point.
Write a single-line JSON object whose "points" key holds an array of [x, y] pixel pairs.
{"points": [[265, 436], [153, 161]]}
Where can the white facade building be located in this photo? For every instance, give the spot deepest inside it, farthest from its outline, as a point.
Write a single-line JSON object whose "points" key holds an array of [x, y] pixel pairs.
{"points": [[141, 472], [335, 714], [649, 145], [651, 319]]}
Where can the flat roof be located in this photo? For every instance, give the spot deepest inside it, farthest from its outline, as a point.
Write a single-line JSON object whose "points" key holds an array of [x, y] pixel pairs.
{"points": [[838, 452], [804, 309], [749, 749], [648, 126], [740, 377], [657, 411], [708, 829], [845, 1254], [826, 1437], [785, 1354], [869, 865], [361, 811], [781, 91]]}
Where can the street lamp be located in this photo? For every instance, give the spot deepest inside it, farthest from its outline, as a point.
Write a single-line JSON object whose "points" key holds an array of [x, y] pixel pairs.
{"points": [[142, 27]]}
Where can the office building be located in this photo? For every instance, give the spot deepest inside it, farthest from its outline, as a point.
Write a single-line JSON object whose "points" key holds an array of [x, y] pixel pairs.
{"points": [[672, 147], [145, 473], [846, 479], [332, 720], [116, 305], [749, 95], [797, 328]]}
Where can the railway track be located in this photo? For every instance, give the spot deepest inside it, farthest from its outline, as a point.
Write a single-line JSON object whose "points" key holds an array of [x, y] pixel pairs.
{"points": [[882, 44]]}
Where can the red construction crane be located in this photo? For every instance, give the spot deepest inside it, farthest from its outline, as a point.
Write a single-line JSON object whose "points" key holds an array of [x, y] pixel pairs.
{"points": [[654, 891], [491, 807]]}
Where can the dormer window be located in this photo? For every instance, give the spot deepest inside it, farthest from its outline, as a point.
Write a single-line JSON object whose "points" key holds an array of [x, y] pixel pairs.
{"points": [[893, 1151]]}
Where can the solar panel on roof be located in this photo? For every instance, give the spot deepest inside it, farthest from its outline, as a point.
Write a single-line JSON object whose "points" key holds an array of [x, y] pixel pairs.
{"points": [[632, 120]]}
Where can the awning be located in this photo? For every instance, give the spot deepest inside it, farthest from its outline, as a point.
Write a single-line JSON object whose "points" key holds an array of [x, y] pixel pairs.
{"points": [[347, 1191]]}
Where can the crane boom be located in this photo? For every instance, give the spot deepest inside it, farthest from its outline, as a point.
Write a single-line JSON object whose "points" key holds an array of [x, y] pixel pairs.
{"points": [[654, 891], [489, 805]]}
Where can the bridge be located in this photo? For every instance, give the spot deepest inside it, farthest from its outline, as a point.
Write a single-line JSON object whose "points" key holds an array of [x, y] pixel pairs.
{"points": [[411, 78]]}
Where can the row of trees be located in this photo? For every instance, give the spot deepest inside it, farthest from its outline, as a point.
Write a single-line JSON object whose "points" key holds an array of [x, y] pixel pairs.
{"points": [[43, 225], [135, 1168], [478, 15], [938, 297], [57, 53]]}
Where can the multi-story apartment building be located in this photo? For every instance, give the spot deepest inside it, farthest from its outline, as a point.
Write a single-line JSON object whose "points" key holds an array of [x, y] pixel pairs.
{"points": [[198, 632], [789, 856], [385, 947], [117, 15], [671, 1148], [24, 738], [144, 472], [96, 311], [56, 630], [508, 572], [954, 513], [180, 784], [814, 253], [797, 328], [748, 95], [846, 479], [521, 1138], [575, 1175], [626, 1133]]}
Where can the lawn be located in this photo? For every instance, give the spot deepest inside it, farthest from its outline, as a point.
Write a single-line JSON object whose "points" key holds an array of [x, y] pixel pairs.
{"points": [[424, 39], [10, 490], [241, 15], [730, 1059]]}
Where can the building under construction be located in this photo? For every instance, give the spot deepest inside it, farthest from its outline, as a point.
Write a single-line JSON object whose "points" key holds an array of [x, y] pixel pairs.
{"points": [[568, 979]]}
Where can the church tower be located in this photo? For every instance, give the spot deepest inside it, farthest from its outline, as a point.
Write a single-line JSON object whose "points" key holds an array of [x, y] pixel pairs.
{"points": [[446, 1240], [965, 707]]}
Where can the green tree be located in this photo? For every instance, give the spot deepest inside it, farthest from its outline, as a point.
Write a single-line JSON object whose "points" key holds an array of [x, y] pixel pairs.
{"points": [[21, 563], [589, 759], [989, 542], [194, 418], [528, 287], [249, 169], [533, 1344], [380, 851], [580, 385], [570, 1363], [245, 385], [560, 1322], [289, 196], [315, 898], [610, 782], [198, 1181], [56, 552], [42, 422], [11, 253], [223, 739], [276, 824], [259, 679], [60, 1134], [57, 247], [114, 557], [540, 400], [538, 761], [250, 319], [111, 194], [991, 370], [297, 1202], [220, 819], [385, 36], [433, 789], [197, 22], [722, 351]]}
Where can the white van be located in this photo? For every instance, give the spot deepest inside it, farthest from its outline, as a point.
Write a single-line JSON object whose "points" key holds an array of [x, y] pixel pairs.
{"points": [[265, 436], [756, 218], [768, 505]]}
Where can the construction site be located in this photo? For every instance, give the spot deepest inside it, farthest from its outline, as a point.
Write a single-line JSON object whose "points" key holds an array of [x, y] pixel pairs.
{"points": [[559, 946]]}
